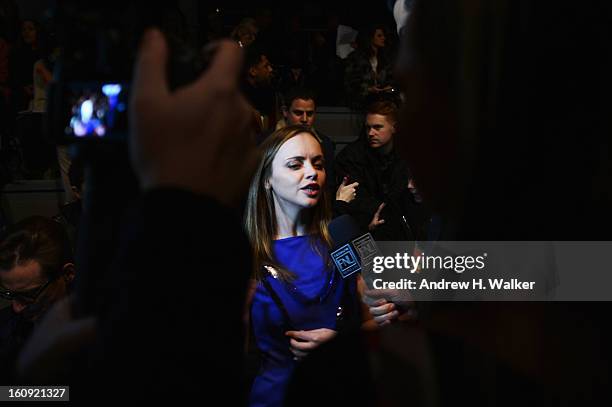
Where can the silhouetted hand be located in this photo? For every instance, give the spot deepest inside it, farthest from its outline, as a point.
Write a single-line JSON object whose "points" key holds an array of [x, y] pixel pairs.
{"points": [[376, 219], [197, 137]]}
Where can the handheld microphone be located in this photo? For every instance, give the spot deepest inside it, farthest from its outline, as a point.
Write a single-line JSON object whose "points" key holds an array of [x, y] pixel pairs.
{"points": [[353, 250]]}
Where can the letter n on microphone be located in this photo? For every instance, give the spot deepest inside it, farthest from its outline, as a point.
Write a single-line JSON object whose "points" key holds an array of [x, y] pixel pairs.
{"points": [[351, 257]]}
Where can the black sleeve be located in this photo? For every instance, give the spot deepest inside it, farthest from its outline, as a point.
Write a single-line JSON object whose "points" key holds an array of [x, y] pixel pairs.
{"points": [[340, 208], [178, 288], [365, 204]]}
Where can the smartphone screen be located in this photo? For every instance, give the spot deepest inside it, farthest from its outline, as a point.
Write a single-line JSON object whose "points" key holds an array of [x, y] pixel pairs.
{"points": [[95, 110]]}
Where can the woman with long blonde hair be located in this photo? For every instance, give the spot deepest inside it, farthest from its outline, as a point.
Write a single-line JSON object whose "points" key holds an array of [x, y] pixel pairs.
{"points": [[299, 297]]}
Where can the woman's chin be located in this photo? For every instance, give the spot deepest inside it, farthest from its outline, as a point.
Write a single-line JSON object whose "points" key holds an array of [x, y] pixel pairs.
{"points": [[310, 202]]}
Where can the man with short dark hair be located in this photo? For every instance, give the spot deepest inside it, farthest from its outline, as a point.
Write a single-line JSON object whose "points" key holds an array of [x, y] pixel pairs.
{"points": [[384, 202], [299, 107], [36, 271]]}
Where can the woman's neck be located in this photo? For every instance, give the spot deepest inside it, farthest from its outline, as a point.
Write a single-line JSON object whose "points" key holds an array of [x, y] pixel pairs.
{"points": [[290, 221], [285, 230]]}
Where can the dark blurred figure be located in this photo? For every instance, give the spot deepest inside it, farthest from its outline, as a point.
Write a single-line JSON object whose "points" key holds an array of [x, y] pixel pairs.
{"points": [[293, 39], [174, 22], [5, 48], [5, 127], [263, 17], [368, 76], [212, 26], [30, 72], [327, 75], [510, 124], [504, 114], [36, 271], [245, 33], [264, 20], [294, 73], [9, 16], [42, 75], [197, 176], [257, 86], [70, 213], [21, 63], [9, 33]]}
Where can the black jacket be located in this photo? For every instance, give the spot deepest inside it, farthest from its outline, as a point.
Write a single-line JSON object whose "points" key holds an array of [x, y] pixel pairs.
{"points": [[382, 178]]}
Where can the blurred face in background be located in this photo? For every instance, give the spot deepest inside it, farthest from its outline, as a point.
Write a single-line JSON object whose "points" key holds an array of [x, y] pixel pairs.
{"points": [[245, 33], [28, 32], [378, 40], [262, 72], [247, 37]]}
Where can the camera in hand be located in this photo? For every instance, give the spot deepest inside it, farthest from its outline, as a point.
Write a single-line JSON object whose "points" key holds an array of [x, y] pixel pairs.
{"points": [[95, 109], [90, 94]]}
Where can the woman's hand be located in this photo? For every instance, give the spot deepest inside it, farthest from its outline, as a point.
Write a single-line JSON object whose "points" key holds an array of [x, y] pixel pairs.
{"points": [[303, 342], [346, 192]]}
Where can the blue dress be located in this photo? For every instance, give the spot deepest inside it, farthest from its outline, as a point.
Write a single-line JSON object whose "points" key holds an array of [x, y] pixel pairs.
{"points": [[311, 301]]}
